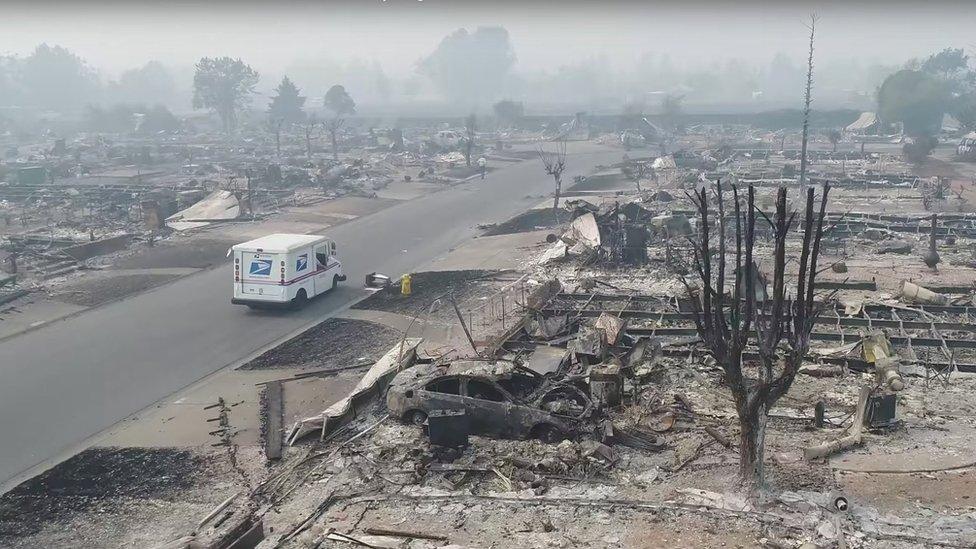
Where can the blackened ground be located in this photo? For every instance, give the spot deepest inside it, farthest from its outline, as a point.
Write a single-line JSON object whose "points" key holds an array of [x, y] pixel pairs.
{"points": [[426, 287], [98, 478], [193, 253], [532, 220], [95, 291], [334, 343]]}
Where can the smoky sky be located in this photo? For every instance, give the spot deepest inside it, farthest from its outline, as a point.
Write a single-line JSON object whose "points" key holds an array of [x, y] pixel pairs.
{"points": [[113, 36]]}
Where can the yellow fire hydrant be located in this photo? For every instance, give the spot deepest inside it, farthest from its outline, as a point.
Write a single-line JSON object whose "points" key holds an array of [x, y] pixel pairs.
{"points": [[405, 284]]}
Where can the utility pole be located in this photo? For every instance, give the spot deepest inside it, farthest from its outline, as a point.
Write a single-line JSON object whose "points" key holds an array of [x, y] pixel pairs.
{"points": [[806, 108]]}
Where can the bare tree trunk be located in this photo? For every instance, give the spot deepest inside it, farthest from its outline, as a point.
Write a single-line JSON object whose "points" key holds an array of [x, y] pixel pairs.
{"points": [[555, 163], [308, 143], [779, 326], [752, 444], [335, 146], [555, 202]]}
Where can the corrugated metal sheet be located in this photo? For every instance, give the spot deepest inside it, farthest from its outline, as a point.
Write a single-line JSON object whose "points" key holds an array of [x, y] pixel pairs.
{"points": [[866, 121]]}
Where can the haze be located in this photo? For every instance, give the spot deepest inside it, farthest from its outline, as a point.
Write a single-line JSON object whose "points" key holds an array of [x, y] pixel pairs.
{"points": [[295, 38]]}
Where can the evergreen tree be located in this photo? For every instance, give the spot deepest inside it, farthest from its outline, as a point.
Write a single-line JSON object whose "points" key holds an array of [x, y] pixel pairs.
{"points": [[287, 104]]}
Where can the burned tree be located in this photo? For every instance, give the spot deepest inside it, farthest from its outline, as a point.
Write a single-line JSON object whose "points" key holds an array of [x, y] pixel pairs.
{"points": [[931, 256], [777, 325], [333, 126], [637, 172], [554, 163], [309, 126], [834, 136], [340, 104], [275, 125]]}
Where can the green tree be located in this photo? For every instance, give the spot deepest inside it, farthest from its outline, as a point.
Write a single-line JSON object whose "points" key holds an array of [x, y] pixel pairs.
{"points": [[948, 63], [286, 105], [223, 85], [338, 101], [509, 112], [117, 119], [340, 104], [952, 67], [54, 78], [834, 136], [159, 119], [151, 83], [916, 99], [963, 108], [470, 66], [131, 118]]}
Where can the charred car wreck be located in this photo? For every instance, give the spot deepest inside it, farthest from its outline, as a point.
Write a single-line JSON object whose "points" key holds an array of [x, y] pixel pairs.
{"points": [[550, 393], [499, 398]]}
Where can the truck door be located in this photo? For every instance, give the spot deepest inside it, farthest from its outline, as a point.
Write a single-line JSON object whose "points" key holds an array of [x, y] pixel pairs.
{"points": [[258, 274], [324, 267]]}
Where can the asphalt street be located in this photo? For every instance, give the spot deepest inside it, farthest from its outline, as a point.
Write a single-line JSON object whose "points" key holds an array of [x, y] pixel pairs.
{"points": [[67, 381]]}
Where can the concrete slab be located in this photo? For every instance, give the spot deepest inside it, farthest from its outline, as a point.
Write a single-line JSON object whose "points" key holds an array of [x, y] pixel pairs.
{"points": [[508, 251], [905, 462], [434, 334], [182, 422]]}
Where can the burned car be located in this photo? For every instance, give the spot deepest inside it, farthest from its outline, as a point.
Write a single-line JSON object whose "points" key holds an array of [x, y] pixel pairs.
{"points": [[500, 398]]}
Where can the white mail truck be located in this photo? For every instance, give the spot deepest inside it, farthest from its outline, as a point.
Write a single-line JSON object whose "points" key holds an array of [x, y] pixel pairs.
{"points": [[284, 269]]}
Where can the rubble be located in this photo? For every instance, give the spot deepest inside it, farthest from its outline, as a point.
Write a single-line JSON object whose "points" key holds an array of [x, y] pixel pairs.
{"points": [[576, 393]]}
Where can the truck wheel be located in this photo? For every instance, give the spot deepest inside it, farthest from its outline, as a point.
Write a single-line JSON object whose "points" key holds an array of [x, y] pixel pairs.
{"points": [[300, 299], [335, 282]]}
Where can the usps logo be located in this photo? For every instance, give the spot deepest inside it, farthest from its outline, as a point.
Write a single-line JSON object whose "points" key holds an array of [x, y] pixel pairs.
{"points": [[260, 267], [302, 263]]}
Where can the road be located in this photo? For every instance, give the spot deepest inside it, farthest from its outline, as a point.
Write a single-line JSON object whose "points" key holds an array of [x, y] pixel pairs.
{"points": [[66, 382]]}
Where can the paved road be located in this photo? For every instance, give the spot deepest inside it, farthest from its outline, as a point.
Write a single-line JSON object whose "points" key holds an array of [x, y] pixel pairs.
{"points": [[65, 382]]}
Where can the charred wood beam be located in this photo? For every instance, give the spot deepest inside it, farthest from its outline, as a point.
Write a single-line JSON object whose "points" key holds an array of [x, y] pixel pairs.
{"points": [[824, 336], [672, 316], [596, 299], [680, 348]]}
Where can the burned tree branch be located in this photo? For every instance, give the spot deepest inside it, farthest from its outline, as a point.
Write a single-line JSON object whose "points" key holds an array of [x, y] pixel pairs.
{"points": [[779, 324], [554, 163]]}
